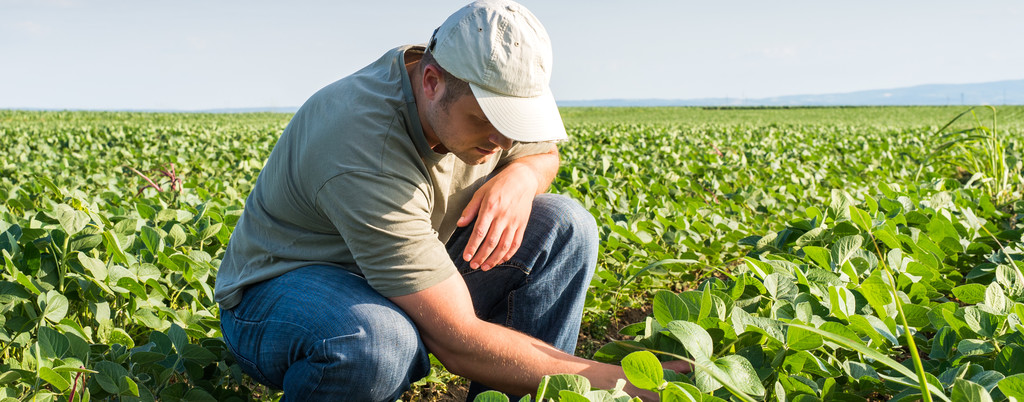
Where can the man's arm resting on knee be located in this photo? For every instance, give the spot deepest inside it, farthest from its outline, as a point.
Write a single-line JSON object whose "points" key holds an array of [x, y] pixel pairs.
{"points": [[501, 208], [497, 356], [544, 167]]}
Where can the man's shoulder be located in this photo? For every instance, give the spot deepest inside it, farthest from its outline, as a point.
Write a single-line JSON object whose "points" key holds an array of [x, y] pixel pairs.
{"points": [[358, 124], [378, 84]]}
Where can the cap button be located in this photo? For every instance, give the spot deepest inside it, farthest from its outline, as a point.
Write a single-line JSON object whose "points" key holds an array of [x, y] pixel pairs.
{"points": [[512, 8]]}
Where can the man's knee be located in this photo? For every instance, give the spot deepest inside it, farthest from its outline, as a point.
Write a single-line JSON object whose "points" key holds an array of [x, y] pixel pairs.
{"points": [[568, 219], [377, 360], [561, 210]]}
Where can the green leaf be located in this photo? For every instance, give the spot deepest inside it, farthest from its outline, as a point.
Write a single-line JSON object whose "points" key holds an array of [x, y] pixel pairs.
{"points": [[842, 301], [178, 338], [877, 293], [201, 355], [861, 219], [966, 391], [669, 307], [816, 235], [114, 248], [131, 285], [743, 322], [800, 339], [981, 322], [152, 239], [1013, 386], [120, 337], [177, 235], [54, 305], [552, 385], [875, 355], [196, 395], [843, 249], [53, 344], [129, 387], [781, 287], [12, 292], [693, 337], [55, 379], [858, 370], [705, 304], [972, 293], [971, 347], [173, 392], [212, 230], [996, 299], [888, 237], [988, 379], [491, 396], [614, 352], [8, 377], [95, 267], [917, 315], [71, 220], [1010, 360], [108, 374], [862, 325], [819, 255], [643, 370], [742, 374], [943, 343], [570, 396]]}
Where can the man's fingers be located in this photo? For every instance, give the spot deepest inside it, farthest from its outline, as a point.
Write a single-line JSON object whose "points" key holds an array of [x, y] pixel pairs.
{"points": [[514, 245], [500, 253], [489, 243], [480, 232]]}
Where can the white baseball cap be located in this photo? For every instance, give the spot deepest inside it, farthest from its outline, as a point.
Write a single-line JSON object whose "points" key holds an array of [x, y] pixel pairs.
{"points": [[503, 52]]}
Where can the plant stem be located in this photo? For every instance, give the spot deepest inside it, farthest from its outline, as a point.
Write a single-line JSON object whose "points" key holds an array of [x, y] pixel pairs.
{"points": [[926, 395]]}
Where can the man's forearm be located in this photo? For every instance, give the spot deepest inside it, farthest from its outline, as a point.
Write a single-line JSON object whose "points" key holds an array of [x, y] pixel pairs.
{"points": [[514, 362], [497, 356], [543, 166]]}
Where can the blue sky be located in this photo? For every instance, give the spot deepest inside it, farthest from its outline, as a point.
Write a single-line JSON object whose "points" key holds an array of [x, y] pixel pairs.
{"points": [[192, 55]]}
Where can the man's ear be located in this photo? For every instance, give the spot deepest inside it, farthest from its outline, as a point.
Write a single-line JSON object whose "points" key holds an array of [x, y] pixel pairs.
{"points": [[433, 82]]}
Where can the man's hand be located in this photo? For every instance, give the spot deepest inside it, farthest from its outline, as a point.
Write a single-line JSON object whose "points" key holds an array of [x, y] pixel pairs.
{"points": [[501, 208]]}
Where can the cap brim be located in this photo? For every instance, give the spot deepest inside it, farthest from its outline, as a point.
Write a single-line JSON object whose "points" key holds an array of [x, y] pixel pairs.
{"points": [[533, 119]]}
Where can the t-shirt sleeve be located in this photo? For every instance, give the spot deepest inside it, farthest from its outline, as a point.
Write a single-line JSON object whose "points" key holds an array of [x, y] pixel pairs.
{"points": [[385, 222], [522, 149]]}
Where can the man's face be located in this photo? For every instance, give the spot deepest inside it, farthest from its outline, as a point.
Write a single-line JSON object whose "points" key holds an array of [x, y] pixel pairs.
{"points": [[463, 130]]}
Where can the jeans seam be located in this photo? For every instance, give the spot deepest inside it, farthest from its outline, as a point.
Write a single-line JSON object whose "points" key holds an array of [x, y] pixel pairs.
{"points": [[517, 265], [323, 355], [507, 264], [511, 303]]}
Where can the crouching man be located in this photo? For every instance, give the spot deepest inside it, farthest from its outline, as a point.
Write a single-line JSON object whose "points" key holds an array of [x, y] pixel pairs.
{"points": [[403, 211]]}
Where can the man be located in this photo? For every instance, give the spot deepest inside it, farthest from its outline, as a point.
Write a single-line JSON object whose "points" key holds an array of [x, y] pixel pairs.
{"points": [[402, 211]]}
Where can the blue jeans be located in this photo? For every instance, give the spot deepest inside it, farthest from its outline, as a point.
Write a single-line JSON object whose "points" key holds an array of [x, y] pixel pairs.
{"points": [[322, 333]]}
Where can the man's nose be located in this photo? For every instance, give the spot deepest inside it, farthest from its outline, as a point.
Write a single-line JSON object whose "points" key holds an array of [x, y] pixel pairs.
{"points": [[500, 140]]}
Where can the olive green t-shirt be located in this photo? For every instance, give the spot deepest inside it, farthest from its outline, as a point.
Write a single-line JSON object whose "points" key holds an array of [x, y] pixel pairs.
{"points": [[352, 183]]}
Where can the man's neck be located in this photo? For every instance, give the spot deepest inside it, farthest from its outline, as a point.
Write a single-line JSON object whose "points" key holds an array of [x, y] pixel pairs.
{"points": [[412, 66]]}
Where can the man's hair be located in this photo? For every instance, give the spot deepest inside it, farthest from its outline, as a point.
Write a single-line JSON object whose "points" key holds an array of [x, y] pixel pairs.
{"points": [[454, 88]]}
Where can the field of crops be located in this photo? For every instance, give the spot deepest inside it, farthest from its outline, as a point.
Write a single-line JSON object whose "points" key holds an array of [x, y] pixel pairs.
{"points": [[791, 254]]}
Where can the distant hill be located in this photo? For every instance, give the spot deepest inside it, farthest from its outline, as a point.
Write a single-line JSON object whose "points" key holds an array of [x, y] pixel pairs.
{"points": [[1009, 92], [288, 109], [988, 93]]}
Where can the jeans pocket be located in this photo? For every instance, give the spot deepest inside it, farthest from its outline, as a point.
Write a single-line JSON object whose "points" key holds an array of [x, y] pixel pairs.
{"points": [[230, 329]]}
